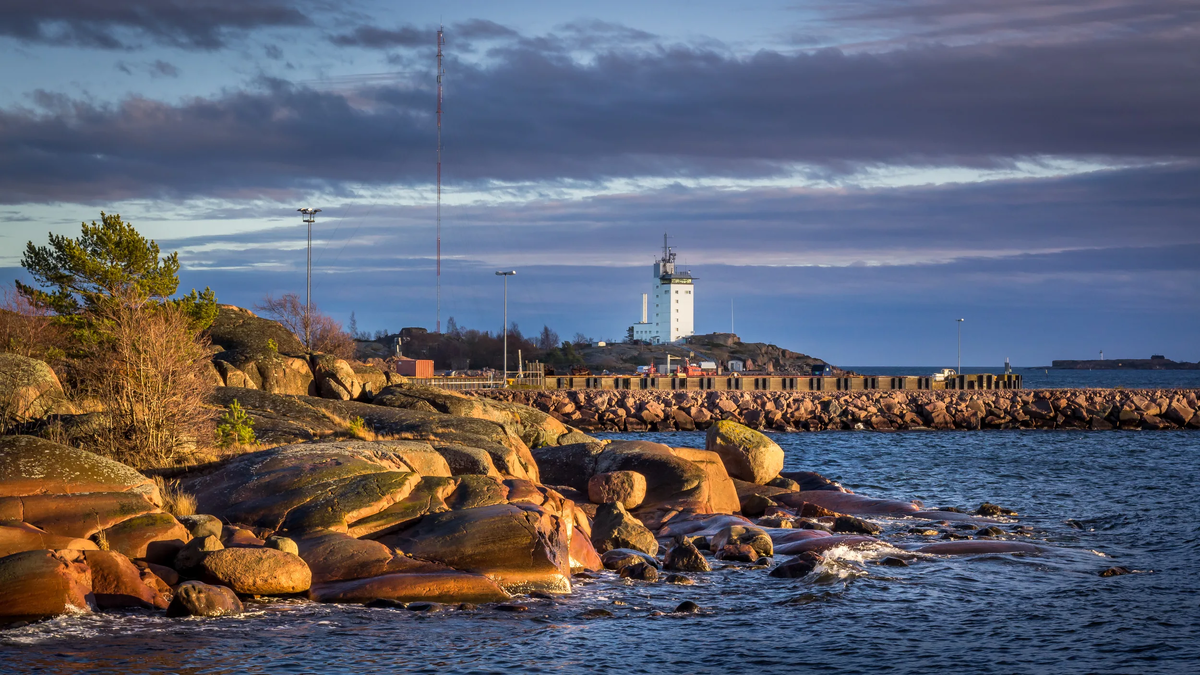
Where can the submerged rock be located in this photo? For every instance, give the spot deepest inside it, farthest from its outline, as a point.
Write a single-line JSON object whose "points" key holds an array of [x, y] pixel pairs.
{"points": [[443, 586], [852, 525], [685, 557], [799, 566], [737, 535]]}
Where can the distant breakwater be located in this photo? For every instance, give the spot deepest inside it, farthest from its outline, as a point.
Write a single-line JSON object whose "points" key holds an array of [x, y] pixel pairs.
{"points": [[1096, 409]]}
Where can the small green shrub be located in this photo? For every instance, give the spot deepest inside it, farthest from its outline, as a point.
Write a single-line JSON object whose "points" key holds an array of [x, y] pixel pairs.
{"points": [[356, 426], [235, 427], [271, 345]]}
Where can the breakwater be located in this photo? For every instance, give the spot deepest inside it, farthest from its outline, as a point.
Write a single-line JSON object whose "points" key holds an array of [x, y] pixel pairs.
{"points": [[650, 410]]}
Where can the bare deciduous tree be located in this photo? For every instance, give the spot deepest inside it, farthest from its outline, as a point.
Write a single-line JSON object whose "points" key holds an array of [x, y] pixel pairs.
{"points": [[29, 330], [322, 332], [151, 369]]}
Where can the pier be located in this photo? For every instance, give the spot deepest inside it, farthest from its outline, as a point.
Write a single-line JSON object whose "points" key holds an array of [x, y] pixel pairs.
{"points": [[790, 383]]}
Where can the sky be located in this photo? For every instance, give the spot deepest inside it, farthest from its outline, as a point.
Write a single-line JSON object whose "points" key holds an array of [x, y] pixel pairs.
{"points": [[845, 179]]}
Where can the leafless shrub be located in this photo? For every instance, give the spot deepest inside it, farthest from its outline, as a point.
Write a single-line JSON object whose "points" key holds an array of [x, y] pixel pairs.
{"points": [[28, 330], [323, 333], [150, 370]]}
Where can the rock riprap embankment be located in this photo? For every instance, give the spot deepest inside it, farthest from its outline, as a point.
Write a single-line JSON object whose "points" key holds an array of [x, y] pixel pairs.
{"points": [[1095, 409]]}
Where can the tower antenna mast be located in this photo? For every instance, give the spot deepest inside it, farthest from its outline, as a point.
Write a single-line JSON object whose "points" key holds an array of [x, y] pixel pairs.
{"points": [[441, 41]]}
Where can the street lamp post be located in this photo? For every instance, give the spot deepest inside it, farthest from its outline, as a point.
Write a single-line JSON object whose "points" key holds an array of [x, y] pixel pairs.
{"points": [[308, 216], [504, 328], [960, 322]]}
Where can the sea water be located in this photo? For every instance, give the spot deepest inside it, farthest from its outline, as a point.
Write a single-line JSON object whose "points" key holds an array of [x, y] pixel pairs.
{"points": [[1094, 499]]}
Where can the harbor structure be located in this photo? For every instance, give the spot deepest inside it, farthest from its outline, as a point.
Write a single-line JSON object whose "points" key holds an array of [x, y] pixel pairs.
{"points": [[674, 302]]}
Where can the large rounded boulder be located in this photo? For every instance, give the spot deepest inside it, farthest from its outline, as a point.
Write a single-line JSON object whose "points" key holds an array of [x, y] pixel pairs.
{"points": [[29, 389], [196, 598], [746, 453], [613, 527], [522, 547], [257, 571], [34, 466], [316, 486], [39, 584]]}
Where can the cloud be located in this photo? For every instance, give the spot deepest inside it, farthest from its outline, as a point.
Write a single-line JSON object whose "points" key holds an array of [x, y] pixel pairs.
{"points": [[117, 24], [530, 115], [382, 38]]}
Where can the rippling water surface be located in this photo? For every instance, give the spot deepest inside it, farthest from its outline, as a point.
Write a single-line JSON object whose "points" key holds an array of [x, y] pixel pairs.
{"points": [[1132, 498]]}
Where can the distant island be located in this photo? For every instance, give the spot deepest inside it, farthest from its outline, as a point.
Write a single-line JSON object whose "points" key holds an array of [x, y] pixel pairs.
{"points": [[1155, 362]]}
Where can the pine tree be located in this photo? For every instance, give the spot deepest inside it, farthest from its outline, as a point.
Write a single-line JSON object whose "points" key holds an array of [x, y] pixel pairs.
{"points": [[108, 260]]}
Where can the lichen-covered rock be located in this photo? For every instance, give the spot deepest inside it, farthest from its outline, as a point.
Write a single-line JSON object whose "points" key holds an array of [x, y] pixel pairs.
{"points": [[627, 488], [193, 553], [257, 571], [203, 525], [311, 486], [465, 460], [29, 389], [39, 584], [521, 547], [534, 427], [34, 466], [238, 328], [613, 527], [285, 544], [196, 598], [746, 453], [572, 464], [335, 378], [81, 515], [155, 537]]}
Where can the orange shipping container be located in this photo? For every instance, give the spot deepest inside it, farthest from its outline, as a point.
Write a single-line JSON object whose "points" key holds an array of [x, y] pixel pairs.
{"points": [[415, 367]]}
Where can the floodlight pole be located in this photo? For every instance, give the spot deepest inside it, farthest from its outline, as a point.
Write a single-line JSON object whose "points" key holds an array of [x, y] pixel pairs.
{"points": [[960, 323], [308, 216], [504, 329]]}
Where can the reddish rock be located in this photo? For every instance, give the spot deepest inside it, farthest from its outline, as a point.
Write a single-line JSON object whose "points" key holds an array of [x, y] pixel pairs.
{"points": [[257, 571], [195, 598], [447, 586], [117, 582], [16, 537], [155, 537], [628, 488], [39, 584]]}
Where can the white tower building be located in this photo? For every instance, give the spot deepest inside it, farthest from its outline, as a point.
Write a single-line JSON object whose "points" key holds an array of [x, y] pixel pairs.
{"points": [[673, 303]]}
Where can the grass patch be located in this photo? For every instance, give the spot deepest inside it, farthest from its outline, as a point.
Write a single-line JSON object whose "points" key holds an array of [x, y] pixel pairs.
{"points": [[175, 501]]}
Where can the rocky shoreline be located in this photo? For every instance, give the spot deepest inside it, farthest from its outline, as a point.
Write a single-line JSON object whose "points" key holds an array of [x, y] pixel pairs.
{"points": [[456, 502], [360, 487], [1094, 409]]}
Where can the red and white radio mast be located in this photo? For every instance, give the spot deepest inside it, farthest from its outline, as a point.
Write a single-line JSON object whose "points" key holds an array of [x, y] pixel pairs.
{"points": [[441, 41]]}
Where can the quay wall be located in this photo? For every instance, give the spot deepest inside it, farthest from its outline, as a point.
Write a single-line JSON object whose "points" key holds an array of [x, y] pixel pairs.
{"points": [[882, 410]]}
